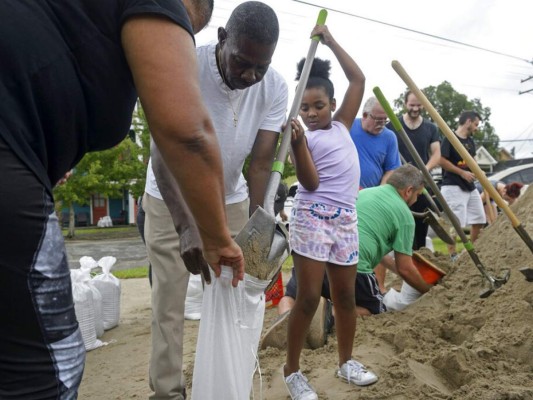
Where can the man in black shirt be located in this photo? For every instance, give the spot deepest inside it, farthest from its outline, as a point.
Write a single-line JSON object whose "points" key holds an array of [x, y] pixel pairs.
{"points": [[458, 182], [425, 138]]}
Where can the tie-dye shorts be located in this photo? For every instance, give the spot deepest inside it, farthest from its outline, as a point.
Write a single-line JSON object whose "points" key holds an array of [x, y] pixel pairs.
{"points": [[324, 233]]}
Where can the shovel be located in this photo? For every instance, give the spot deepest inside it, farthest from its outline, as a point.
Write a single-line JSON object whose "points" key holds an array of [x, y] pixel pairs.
{"points": [[478, 172], [494, 283], [437, 224], [433, 218], [264, 241]]}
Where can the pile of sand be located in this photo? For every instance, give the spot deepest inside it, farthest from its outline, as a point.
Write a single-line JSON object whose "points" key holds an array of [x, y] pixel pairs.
{"points": [[450, 344]]}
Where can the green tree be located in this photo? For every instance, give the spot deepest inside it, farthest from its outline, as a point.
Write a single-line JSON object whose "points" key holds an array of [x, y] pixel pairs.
{"points": [[141, 132], [109, 172], [450, 104], [83, 182]]}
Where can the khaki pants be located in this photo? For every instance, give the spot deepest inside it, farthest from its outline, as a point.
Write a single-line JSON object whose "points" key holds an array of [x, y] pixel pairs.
{"points": [[169, 288]]}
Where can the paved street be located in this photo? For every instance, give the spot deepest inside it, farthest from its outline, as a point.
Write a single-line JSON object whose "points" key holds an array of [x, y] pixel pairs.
{"points": [[128, 252]]}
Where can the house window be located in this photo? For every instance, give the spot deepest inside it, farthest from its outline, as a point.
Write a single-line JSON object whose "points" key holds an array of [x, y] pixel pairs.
{"points": [[98, 200]]}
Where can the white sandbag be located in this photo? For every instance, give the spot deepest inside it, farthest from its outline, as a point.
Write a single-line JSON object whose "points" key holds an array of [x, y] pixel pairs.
{"points": [[104, 222], [84, 309], [193, 300], [429, 243], [87, 264], [109, 287], [397, 301], [228, 338]]}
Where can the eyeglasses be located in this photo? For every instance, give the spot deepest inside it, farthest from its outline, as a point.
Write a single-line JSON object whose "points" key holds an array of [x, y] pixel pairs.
{"points": [[381, 121]]}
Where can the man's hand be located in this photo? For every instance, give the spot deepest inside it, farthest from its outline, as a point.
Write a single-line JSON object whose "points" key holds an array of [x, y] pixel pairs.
{"points": [[468, 176], [230, 256]]}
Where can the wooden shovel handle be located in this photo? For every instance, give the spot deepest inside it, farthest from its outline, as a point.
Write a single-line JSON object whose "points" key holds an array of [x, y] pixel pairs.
{"points": [[472, 164]]}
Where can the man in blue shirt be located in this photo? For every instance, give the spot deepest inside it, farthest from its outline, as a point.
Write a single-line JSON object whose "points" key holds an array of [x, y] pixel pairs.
{"points": [[377, 145]]}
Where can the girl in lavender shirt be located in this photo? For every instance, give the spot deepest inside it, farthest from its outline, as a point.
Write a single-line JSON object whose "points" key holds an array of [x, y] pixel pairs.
{"points": [[323, 234]]}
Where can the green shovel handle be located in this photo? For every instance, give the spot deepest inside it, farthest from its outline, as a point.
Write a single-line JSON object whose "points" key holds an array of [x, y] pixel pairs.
{"points": [[322, 15]]}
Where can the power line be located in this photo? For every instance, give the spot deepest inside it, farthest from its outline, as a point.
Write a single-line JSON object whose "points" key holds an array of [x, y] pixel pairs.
{"points": [[515, 140], [415, 31]]}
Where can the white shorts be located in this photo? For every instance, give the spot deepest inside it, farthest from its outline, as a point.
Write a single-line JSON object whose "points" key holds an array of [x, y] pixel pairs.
{"points": [[467, 206]]}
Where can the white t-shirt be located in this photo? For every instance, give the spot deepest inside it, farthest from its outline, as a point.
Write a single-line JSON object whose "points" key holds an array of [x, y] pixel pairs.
{"points": [[262, 106]]}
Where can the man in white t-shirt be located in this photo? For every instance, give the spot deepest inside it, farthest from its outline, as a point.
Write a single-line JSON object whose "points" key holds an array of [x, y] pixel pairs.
{"points": [[247, 102]]}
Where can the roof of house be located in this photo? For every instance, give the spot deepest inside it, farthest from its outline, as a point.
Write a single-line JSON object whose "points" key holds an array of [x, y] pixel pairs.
{"points": [[483, 157]]}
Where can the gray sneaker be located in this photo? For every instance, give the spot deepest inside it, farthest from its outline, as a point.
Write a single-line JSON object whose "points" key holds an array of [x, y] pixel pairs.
{"points": [[299, 388], [354, 372]]}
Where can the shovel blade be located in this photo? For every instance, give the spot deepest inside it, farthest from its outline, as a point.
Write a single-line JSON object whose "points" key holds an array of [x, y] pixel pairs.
{"points": [[260, 247], [495, 283], [279, 251], [528, 273], [437, 224]]}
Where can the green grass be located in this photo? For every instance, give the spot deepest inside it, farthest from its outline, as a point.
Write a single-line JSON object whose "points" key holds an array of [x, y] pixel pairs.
{"points": [[287, 265], [441, 247], [131, 273], [290, 180], [96, 233]]}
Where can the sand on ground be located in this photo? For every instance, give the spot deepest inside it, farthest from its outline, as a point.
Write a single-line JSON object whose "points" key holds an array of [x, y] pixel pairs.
{"points": [[450, 344]]}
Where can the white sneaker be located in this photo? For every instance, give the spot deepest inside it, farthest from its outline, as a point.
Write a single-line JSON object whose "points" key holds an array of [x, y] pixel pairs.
{"points": [[299, 388], [354, 372]]}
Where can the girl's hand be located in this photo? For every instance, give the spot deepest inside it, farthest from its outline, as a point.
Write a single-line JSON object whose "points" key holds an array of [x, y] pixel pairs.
{"points": [[325, 36], [297, 132]]}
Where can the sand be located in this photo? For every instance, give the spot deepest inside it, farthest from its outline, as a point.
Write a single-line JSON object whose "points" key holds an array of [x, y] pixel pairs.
{"points": [[450, 344]]}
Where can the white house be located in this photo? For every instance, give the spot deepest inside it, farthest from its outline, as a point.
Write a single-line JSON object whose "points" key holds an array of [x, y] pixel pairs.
{"points": [[485, 161]]}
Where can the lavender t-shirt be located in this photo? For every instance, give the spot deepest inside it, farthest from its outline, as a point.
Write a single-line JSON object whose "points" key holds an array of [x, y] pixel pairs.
{"points": [[337, 163]]}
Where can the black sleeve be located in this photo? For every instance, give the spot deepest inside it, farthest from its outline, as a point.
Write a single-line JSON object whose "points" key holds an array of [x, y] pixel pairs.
{"points": [[173, 9], [445, 148]]}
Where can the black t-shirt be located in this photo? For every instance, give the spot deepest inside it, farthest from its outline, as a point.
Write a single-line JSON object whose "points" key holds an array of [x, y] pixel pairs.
{"points": [[448, 151], [65, 85], [421, 137]]}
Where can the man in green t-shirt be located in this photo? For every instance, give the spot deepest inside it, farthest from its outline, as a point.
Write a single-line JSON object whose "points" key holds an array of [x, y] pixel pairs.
{"points": [[386, 224]]}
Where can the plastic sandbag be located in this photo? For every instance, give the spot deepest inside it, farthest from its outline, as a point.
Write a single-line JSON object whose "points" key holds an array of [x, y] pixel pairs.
{"points": [[109, 287], [84, 309], [228, 338], [86, 265], [397, 301], [193, 300], [104, 222]]}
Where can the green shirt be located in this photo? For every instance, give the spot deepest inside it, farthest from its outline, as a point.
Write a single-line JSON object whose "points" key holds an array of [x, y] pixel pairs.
{"points": [[385, 223]]}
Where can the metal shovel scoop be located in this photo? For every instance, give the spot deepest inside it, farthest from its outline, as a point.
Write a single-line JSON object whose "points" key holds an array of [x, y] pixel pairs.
{"points": [[528, 273], [437, 223], [263, 241]]}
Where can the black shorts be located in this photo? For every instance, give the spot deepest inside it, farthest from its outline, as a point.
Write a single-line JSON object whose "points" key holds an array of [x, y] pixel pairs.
{"points": [[41, 349], [290, 289], [367, 292]]}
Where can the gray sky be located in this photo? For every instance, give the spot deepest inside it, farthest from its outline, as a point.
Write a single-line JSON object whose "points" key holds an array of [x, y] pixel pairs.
{"points": [[503, 26]]}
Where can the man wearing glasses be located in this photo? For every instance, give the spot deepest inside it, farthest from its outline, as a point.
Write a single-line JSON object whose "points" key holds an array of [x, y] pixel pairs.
{"points": [[426, 139], [377, 146]]}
